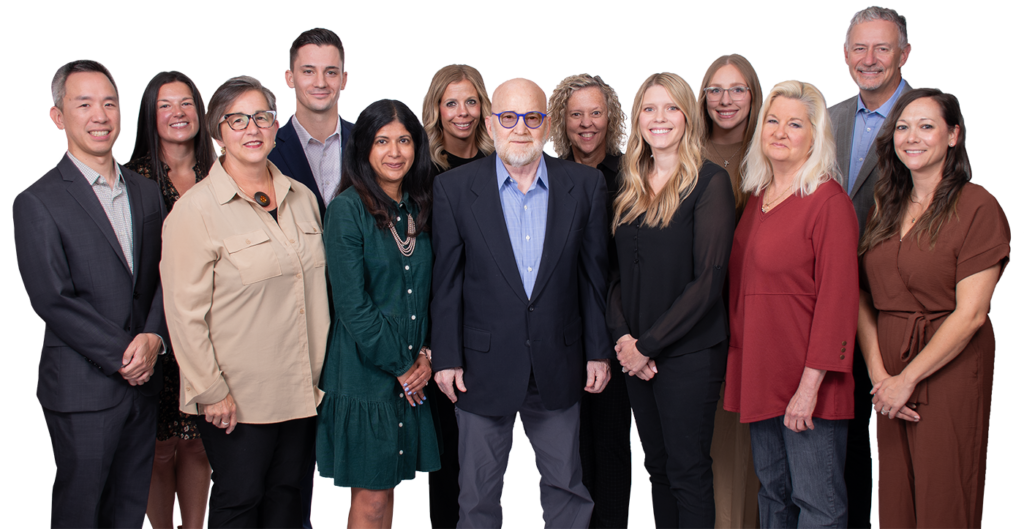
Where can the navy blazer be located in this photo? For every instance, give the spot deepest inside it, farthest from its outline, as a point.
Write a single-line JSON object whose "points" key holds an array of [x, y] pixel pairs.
{"points": [[481, 318], [289, 157], [79, 283]]}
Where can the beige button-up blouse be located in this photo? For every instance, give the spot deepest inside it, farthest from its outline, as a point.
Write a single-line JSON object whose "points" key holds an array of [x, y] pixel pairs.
{"points": [[246, 298]]}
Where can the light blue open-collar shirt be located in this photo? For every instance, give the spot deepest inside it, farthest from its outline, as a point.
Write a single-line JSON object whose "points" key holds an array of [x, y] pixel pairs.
{"points": [[526, 218], [866, 124]]}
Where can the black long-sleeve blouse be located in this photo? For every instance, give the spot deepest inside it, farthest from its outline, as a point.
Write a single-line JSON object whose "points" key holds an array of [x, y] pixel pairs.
{"points": [[669, 291]]}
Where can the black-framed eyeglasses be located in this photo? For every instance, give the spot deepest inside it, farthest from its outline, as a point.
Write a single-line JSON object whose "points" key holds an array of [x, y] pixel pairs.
{"points": [[532, 120], [715, 93], [238, 121]]}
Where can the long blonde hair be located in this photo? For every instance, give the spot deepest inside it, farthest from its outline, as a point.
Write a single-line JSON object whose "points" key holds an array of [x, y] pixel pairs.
{"points": [[454, 73], [819, 168], [635, 197]]}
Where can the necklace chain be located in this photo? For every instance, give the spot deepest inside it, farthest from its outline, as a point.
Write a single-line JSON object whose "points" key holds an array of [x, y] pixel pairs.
{"points": [[767, 204], [408, 245], [726, 160]]}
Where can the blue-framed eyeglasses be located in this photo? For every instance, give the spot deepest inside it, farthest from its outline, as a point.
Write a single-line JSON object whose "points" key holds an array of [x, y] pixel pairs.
{"points": [[532, 120]]}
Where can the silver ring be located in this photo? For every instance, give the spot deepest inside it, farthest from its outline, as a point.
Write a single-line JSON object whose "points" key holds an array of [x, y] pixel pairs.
{"points": [[624, 370], [225, 423], [884, 412]]}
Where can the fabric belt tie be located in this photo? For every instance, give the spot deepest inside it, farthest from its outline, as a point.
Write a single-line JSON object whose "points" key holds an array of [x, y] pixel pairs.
{"points": [[918, 333]]}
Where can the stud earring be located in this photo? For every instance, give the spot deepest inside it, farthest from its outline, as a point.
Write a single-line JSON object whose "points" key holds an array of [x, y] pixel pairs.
{"points": [[223, 151]]}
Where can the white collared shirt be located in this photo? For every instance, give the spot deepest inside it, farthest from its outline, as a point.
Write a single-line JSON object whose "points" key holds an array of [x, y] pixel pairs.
{"points": [[324, 159], [115, 204]]}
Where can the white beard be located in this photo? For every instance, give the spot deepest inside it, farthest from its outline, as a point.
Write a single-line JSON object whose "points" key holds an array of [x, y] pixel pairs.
{"points": [[518, 157]]}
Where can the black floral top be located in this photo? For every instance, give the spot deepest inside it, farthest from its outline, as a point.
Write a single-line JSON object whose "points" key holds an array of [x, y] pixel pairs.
{"points": [[144, 166]]}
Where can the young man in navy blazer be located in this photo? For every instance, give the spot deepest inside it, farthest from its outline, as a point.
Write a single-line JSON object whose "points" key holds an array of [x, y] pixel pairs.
{"points": [[518, 311], [87, 236], [309, 145]]}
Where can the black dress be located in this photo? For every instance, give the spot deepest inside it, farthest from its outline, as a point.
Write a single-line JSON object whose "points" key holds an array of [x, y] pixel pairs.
{"points": [[171, 421], [669, 296]]}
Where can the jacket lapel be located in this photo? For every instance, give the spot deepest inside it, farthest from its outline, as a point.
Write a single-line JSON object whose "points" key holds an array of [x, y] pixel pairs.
{"points": [[135, 200], [82, 192], [870, 161], [491, 218], [291, 150], [561, 210]]}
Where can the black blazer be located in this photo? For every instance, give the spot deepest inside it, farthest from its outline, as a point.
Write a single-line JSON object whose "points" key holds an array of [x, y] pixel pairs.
{"points": [[289, 157], [79, 283], [482, 319]]}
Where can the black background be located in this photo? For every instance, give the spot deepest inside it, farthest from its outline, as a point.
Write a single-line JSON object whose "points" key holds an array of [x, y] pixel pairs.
{"points": [[388, 56]]}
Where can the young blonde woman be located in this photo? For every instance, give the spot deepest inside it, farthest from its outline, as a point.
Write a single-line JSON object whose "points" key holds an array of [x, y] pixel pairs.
{"points": [[673, 227]]}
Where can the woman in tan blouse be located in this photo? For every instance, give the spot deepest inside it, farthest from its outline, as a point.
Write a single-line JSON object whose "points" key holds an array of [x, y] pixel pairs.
{"points": [[246, 303]]}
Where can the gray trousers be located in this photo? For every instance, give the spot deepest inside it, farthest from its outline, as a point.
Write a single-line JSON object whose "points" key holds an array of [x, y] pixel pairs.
{"points": [[484, 445]]}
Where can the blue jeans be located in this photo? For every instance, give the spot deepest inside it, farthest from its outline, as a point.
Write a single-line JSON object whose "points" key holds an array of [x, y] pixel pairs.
{"points": [[801, 474]]}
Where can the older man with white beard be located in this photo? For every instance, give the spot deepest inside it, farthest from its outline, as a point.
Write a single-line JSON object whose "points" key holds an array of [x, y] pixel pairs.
{"points": [[518, 308]]}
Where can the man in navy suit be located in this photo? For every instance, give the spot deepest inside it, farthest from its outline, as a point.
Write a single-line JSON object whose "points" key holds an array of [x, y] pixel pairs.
{"points": [[309, 145], [518, 311], [88, 241]]}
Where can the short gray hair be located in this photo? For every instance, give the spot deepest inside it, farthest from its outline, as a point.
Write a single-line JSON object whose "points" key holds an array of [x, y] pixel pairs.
{"points": [[58, 87], [228, 92], [880, 13]]}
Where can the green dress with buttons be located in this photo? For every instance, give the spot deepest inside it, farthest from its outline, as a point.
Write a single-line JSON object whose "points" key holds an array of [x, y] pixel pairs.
{"points": [[369, 436]]}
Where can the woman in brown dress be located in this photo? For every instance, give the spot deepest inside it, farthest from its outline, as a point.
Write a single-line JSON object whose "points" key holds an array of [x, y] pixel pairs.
{"points": [[932, 253], [730, 97], [173, 147]]}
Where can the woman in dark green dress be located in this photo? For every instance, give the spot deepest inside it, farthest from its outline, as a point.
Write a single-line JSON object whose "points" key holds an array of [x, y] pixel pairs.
{"points": [[375, 425]]}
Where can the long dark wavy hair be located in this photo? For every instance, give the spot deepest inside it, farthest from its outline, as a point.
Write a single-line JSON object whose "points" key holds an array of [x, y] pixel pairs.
{"points": [[357, 172], [147, 141], [892, 192]]}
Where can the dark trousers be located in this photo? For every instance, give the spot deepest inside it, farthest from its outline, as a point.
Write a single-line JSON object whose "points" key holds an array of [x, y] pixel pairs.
{"points": [[604, 451], [307, 485], [104, 463], [675, 417], [858, 447], [444, 483], [484, 445], [258, 472]]}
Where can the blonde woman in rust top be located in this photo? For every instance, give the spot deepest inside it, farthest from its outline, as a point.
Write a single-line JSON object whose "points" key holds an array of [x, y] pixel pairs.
{"points": [[793, 312], [246, 304]]}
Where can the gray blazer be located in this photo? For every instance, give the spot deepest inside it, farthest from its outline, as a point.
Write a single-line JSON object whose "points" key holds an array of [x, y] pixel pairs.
{"points": [[79, 283], [863, 196]]}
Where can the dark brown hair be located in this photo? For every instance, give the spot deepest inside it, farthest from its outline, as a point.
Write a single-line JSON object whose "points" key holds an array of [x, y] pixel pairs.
{"points": [[317, 37], [892, 192], [147, 140]]}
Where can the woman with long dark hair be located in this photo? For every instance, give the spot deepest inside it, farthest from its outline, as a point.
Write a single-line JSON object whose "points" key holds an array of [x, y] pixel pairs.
{"points": [[375, 424], [173, 147], [932, 253]]}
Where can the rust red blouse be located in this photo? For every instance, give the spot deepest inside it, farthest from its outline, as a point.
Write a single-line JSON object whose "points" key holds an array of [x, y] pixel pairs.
{"points": [[793, 298]]}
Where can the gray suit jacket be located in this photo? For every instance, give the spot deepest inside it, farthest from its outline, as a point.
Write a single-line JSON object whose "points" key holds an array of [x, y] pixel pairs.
{"points": [[863, 196], [79, 283]]}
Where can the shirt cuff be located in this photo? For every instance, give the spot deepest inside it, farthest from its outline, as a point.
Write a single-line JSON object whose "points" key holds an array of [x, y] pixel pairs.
{"points": [[163, 345]]}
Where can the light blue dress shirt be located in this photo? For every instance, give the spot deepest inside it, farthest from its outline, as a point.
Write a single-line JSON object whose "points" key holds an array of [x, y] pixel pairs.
{"points": [[526, 218], [866, 124]]}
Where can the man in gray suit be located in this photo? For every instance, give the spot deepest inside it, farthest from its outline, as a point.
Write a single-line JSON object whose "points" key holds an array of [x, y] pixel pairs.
{"points": [[88, 241], [876, 49]]}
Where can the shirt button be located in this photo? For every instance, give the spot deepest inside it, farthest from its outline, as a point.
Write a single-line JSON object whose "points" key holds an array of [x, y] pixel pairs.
{"points": [[527, 237], [861, 159], [298, 276], [526, 207], [527, 343], [409, 291], [844, 342], [843, 350], [302, 311], [529, 269], [400, 452], [291, 241], [869, 129], [414, 316], [399, 425], [247, 241], [842, 357], [410, 347], [400, 395], [399, 219], [406, 267]]}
